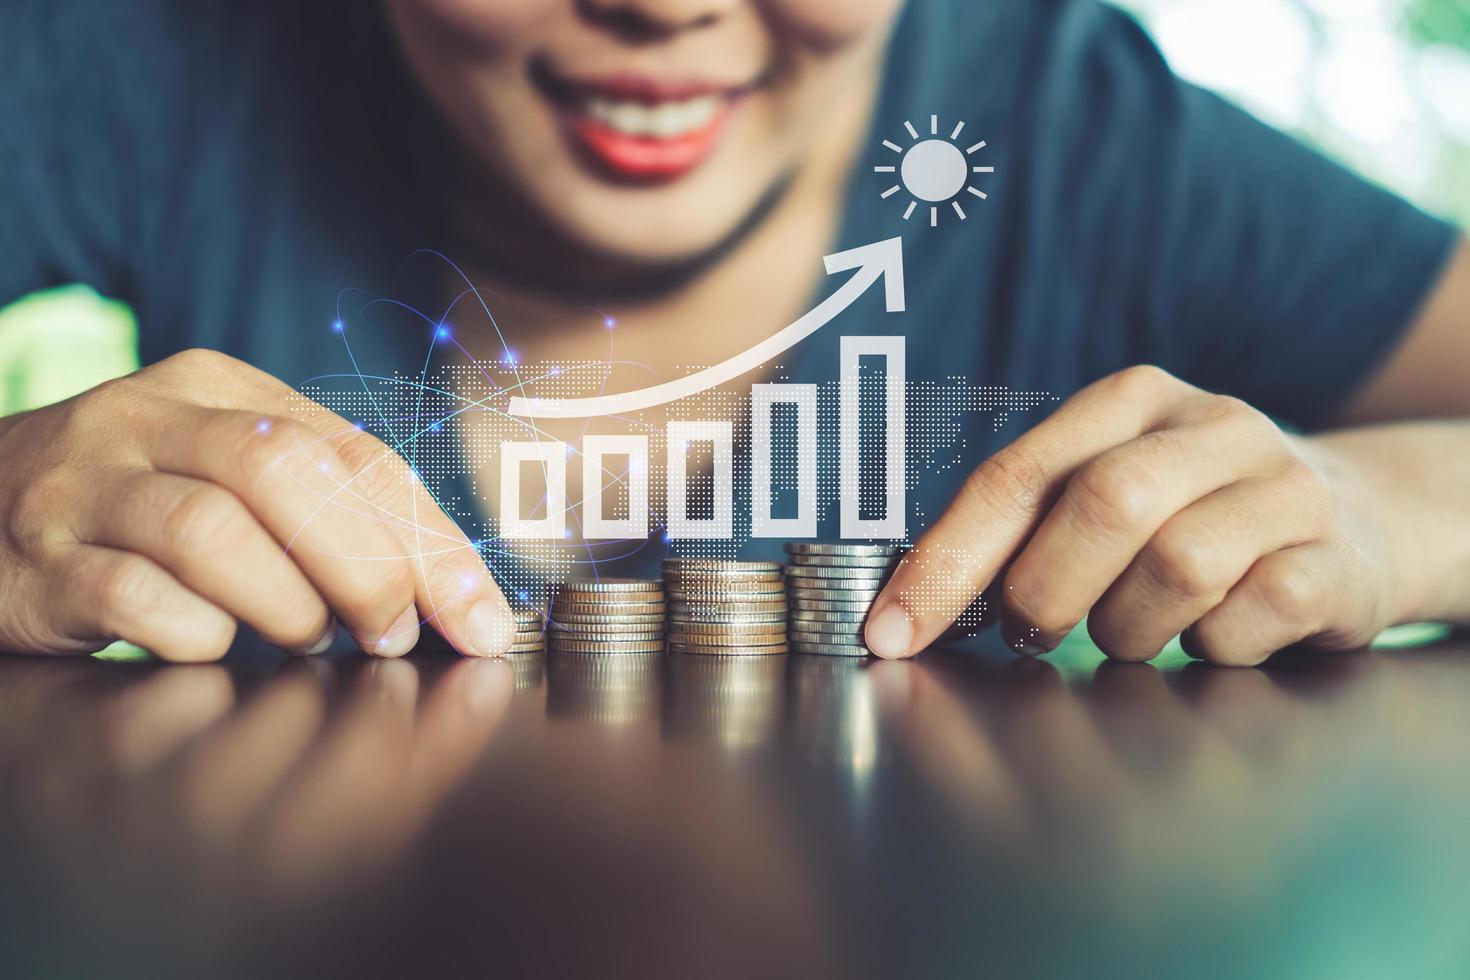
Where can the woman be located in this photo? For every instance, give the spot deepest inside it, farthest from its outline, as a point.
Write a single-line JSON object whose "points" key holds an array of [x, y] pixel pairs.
{"points": [[229, 171]]}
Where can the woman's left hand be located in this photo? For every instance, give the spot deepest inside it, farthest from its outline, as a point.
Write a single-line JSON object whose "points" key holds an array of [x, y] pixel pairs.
{"points": [[1152, 508]]}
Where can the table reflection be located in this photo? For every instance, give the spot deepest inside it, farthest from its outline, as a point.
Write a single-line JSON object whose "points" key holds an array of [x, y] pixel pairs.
{"points": [[968, 801]]}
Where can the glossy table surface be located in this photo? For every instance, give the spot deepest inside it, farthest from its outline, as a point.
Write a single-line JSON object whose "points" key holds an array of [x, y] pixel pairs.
{"points": [[966, 814]]}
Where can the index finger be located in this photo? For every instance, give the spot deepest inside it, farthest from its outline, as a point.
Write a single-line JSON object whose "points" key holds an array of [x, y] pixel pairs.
{"points": [[1002, 503]]}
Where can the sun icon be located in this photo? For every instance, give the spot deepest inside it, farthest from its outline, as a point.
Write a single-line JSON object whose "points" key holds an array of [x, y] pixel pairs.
{"points": [[934, 170]]}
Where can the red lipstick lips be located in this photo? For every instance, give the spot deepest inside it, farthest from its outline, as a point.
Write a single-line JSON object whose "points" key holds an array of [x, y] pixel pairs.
{"points": [[643, 130]]}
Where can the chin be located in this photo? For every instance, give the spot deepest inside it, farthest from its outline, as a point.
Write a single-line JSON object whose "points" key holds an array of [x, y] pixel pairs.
{"points": [[654, 225]]}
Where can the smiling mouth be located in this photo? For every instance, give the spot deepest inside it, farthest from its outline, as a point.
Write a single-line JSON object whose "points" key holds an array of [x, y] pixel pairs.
{"points": [[637, 129]]}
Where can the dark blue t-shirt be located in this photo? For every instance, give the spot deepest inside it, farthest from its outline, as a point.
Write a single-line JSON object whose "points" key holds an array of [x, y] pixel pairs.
{"points": [[229, 169]]}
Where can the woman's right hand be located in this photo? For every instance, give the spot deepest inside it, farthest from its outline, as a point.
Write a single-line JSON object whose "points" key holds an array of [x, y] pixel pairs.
{"points": [[165, 506]]}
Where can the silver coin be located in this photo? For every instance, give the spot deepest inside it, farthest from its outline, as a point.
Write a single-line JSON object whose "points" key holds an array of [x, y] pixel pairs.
{"points": [[723, 581], [729, 641], [824, 633], [528, 648], [841, 561], [707, 650], [606, 646], [823, 605], [618, 585], [848, 585], [775, 604], [720, 566], [608, 636], [829, 649], [833, 594], [826, 616], [728, 629], [829, 571], [628, 608], [724, 619], [747, 603], [615, 618], [848, 550], [731, 588]]}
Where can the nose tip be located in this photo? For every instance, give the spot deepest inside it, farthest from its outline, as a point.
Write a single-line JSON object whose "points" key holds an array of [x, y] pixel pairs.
{"points": [[657, 16]]}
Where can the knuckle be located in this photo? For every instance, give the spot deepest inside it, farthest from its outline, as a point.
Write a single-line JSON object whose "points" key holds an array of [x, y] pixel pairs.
{"points": [[127, 584], [31, 521], [377, 472], [454, 574], [1113, 494], [277, 442], [382, 598], [1228, 408], [1141, 382], [1024, 602], [1012, 482], [202, 517], [1290, 594], [1186, 562], [197, 360], [95, 410]]}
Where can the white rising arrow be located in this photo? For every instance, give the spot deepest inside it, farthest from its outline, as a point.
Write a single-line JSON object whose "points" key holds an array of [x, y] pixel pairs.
{"points": [[879, 260]]}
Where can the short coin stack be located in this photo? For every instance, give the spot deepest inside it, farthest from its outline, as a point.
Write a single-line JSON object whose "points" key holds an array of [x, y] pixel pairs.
{"points": [[725, 607], [611, 615], [530, 630], [831, 587]]}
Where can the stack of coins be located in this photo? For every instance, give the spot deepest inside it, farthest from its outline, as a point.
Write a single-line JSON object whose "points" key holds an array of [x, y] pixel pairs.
{"points": [[831, 587], [530, 630], [611, 615], [725, 607]]}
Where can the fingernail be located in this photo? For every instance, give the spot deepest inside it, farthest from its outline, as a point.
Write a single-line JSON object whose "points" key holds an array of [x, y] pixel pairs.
{"points": [[401, 637], [890, 634], [488, 629], [325, 642]]}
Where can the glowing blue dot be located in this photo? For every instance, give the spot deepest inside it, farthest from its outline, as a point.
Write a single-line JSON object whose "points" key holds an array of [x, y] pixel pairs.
{"points": [[523, 595], [554, 371], [567, 533], [443, 333], [357, 426], [668, 538], [435, 426], [476, 544], [609, 322], [510, 357], [337, 326], [264, 425]]}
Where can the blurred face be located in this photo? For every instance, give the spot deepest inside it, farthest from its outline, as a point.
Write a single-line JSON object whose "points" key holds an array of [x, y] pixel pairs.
{"points": [[647, 130]]}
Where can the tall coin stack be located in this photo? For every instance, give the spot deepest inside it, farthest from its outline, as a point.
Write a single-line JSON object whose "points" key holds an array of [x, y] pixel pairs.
{"points": [[530, 630], [831, 587], [725, 607], [611, 615]]}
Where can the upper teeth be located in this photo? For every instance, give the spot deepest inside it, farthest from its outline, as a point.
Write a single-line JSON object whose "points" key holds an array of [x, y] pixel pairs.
{"points": [[665, 120]]}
